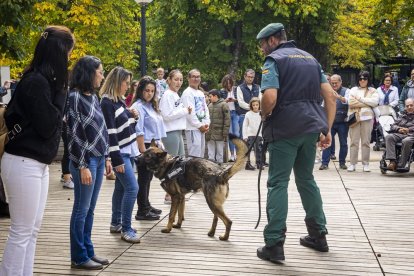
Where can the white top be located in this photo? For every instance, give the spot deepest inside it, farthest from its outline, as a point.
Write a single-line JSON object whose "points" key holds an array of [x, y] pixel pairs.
{"points": [[240, 99], [230, 95], [393, 97], [173, 111], [199, 115], [251, 124]]}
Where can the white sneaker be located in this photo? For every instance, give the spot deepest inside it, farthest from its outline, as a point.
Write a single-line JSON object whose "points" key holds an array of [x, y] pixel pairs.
{"points": [[365, 168], [351, 168]]}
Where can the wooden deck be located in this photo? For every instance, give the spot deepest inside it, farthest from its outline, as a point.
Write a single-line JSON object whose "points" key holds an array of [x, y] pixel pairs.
{"points": [[369, 221]]}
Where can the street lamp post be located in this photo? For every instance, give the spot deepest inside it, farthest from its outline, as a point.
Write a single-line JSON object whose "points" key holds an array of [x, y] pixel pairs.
{"points": [[143, 62]]}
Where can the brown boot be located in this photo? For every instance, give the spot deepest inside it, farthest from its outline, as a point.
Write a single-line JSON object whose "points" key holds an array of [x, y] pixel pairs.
{"points": [[392, 166]]}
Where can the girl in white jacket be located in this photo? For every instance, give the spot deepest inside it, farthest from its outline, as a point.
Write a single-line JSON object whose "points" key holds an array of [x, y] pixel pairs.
{"points": [[174, 115]]}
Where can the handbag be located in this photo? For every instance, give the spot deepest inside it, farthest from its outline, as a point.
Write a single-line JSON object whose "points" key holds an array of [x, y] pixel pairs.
{"points": [[353, 119]]}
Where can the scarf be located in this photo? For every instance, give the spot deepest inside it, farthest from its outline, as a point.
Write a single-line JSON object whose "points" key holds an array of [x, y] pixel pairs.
{"points": [[387, 94]]}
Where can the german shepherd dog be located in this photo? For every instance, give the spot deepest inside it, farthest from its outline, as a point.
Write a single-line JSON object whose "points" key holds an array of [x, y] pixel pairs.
{"points": [[196, 174]]}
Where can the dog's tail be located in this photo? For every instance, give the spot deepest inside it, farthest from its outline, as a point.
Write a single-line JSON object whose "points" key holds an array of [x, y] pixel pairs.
{"points": [[241, 158]]}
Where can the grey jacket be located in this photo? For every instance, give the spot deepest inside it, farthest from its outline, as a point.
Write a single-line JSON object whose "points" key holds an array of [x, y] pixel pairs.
{"points": [[406, 120], [404, 94]]}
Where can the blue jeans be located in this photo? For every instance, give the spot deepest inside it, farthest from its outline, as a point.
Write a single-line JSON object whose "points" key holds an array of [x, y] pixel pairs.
{"points": [[342, 130], [241, 120], [125, 194], [81, 247], [234, 128]]}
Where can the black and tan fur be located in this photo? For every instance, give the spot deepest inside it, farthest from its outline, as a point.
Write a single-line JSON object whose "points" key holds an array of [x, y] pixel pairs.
{"points": [[200, 174]]}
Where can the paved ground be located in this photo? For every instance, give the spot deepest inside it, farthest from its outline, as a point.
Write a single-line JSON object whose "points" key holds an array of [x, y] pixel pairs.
{"points": [[369, 220]]}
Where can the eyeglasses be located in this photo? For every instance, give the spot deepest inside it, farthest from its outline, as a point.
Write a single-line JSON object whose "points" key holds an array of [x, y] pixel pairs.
{"points": [[196, 77], [360, 79]]}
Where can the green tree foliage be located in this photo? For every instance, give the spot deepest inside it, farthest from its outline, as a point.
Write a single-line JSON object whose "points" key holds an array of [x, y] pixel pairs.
{"points": [[106, 29], [218, 37], [351, 36], [393, 30], [14, 21]]}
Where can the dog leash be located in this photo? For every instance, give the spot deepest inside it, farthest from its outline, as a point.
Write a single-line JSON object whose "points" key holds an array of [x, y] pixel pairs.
{"points": [[260, 171]]}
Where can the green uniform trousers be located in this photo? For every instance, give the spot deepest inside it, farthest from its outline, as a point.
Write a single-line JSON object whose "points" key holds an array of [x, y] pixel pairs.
{"points": [[297, 153]]}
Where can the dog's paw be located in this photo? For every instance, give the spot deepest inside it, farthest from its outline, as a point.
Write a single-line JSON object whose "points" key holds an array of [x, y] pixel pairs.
{"points": [[166, 230], [224, 238], [211, 233], [177, 226]]}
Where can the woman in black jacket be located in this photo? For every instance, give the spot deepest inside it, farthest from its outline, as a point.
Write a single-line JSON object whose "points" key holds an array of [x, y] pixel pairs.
{"points": [[37, 108]]}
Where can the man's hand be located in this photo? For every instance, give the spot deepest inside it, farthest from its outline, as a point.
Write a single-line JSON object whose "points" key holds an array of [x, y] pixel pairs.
{"points": [[325, 141], [268, 102], [403, 130]]}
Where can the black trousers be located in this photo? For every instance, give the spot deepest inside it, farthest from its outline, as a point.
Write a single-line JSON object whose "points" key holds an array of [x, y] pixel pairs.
{"points": [[258, 146], [144, 182]]}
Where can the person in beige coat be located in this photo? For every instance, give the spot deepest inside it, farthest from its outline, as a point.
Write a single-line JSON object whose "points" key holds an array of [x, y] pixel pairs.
{"points": [[362, 99]]}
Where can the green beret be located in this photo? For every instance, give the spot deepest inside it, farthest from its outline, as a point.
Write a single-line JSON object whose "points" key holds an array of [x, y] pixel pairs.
{"points": [[269, 30]]}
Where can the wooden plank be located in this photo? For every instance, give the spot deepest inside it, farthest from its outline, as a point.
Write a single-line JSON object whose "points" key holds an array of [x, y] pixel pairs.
{"points": [[367, 214]]}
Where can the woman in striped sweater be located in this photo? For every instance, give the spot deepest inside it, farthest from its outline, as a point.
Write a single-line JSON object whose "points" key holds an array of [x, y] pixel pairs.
{"points": [[121, 122]]}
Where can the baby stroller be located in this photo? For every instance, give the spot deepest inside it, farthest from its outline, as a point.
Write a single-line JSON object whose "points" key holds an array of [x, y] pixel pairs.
{"points": [[383, 163], [385, 116]]}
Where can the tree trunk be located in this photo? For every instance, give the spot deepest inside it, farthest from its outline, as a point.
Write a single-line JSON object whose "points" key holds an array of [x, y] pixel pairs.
{"points": [[237, 33]]}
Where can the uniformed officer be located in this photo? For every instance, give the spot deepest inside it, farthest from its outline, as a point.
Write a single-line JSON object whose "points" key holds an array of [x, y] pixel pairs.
{"points": [[292, 85]]}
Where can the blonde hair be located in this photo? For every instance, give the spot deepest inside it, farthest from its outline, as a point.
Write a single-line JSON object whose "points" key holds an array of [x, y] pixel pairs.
{"points": [[172, 74], [160, 69], [113, 82], [254, 99]]}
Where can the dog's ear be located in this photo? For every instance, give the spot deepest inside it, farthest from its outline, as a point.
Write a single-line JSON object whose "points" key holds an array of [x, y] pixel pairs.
{"points": [[153, 144], [162, 154]]}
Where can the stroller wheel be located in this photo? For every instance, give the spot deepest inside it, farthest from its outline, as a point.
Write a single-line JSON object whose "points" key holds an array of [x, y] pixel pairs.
{"points": [[383, 171]]}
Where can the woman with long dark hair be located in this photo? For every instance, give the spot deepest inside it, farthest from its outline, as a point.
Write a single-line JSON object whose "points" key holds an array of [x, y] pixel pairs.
{"points": [[227, 93], [88, 146], [37, 108], [149, 126]]}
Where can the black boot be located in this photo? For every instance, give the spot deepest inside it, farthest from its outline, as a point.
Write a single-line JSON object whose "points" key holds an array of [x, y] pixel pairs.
{"points": [[316, 238], [273, 253], [317, 243], [249, 166]]}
